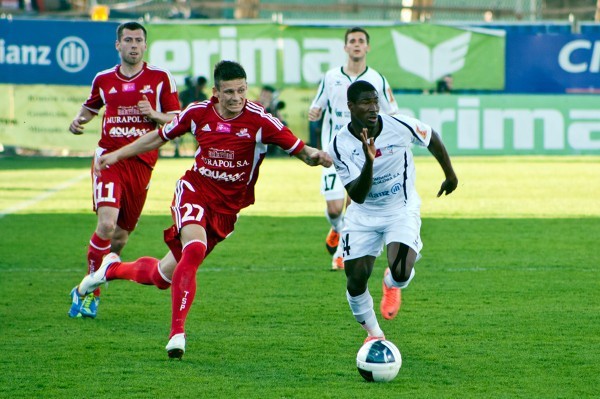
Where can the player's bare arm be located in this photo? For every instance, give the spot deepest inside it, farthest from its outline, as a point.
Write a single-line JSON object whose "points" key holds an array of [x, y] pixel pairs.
{"points": [[437, 148], [149, 141], [314, 157], [83, 116], [360, 187], [146, 109], [314, 114]]}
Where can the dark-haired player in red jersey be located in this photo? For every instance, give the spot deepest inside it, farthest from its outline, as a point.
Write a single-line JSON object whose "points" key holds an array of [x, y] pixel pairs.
{"points": [[138, 98], [232, 135]]}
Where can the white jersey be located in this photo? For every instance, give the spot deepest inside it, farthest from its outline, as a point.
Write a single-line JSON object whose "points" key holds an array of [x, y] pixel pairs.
{"points": [[331, 98], [394, 174]]}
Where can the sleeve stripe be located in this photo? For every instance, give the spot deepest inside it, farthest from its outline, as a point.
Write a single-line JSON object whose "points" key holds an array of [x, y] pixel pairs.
{"points": [[252, 107], [295, 147], [337, 153], [409, 128]]}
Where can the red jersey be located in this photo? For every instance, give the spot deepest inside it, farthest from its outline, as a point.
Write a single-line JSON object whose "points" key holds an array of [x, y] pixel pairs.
{"points": [[122, 122], [230, 150]]}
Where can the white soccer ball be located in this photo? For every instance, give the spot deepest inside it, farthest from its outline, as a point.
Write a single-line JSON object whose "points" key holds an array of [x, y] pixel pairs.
{"points": [[378, 361]]}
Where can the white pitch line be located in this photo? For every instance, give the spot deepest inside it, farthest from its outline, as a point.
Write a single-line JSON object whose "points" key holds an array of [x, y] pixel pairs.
{"points": [[43, 196]]}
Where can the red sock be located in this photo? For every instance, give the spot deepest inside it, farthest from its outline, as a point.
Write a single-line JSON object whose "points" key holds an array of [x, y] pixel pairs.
{"points": [[183, 288], [144, 271], [97, 248]]}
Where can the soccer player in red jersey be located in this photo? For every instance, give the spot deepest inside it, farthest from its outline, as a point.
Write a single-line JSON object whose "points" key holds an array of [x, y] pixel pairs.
{"points": [[232, 135], [138, 98]]}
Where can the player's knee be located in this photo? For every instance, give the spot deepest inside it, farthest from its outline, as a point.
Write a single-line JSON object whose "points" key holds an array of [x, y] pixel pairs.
{"points": [[402, 274], [402, 281], [357, 278], [106, 229]]}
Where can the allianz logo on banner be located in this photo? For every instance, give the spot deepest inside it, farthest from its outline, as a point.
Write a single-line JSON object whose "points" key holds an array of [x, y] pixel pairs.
{"points": [[529, 128], [72, 54]]}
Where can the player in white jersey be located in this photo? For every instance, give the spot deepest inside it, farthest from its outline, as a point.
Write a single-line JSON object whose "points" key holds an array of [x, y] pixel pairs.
{"points": [[331, 98], [373, 158]]}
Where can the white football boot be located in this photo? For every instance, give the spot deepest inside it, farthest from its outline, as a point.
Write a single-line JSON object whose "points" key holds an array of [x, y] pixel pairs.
{"points": [[97, 278], [176, 346]]}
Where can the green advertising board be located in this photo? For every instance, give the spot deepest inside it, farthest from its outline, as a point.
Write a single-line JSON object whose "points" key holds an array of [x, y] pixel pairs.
{"points": [[409, 56], [511, 124], [38, 117]]}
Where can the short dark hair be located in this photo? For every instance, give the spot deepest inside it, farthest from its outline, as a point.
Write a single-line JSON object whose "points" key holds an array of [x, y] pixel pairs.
{"points": [[228, 70], [130, 26], [358, 87], [354, 30], [201, 81]]}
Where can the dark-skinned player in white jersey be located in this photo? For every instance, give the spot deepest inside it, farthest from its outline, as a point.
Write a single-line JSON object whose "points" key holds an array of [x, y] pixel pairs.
{"points": [[373, 157]]}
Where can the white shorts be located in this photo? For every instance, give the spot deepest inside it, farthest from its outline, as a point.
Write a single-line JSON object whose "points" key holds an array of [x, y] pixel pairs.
{"points": [[365, 234], [331, 184]]}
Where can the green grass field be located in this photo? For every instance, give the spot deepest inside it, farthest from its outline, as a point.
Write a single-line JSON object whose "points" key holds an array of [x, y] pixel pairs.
{"points": [[505, 302]]}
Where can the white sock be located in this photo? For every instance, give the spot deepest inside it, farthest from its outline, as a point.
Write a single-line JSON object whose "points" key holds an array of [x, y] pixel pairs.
{"points": [[390, 282], [337, 223], [362, 309]]}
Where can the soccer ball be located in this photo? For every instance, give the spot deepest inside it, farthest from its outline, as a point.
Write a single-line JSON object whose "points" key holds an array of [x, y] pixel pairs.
{"points": [[378, 361]]}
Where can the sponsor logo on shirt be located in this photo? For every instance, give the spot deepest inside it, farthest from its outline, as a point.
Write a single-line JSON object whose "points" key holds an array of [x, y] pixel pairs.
{"points": [[385, 178], [128, 87], [422, 133], [206, 128], [223, 127], [126, 119], [225, 163], [147, 89], [112, 91], [133, 110], [380, 194], [222, 176], [396, 187], [243, 133], [171, 125], [223, 154], [126, 132]]}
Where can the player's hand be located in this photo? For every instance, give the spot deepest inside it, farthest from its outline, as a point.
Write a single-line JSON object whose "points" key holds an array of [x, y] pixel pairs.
{"points": [[368, 144], [448, 185], [145, 107], [322, 158], [103, 162], [314, 114], [76, 127], [314, 157]]}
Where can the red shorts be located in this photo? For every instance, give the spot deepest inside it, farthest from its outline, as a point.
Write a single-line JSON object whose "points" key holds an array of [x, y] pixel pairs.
{"points": [[190, 208], [123, 185]]}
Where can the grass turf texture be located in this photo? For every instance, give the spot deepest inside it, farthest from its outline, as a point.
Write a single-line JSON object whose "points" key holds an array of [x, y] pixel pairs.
{"points": [[505, 302]]}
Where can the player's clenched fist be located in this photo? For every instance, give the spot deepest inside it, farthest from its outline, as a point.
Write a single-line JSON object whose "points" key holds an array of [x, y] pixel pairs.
{"points": [[104, 161]]}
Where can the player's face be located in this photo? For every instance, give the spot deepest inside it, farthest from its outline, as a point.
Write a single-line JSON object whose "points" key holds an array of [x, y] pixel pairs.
{"points": [[132, 46], [356, 46], [366, 108], [232, 97]]}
